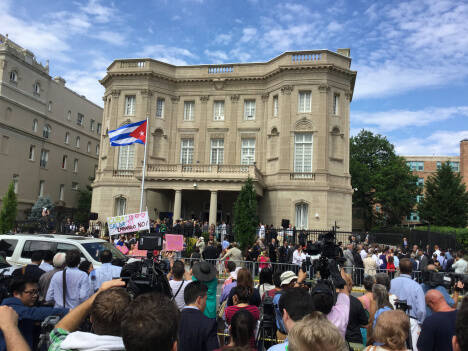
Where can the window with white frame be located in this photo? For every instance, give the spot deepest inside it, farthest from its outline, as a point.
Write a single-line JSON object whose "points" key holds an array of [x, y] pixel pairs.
{"points": [[302, 214], [44, 158], [80, 119], [217, 151], [218, 110], [67, 138], [32, 153], [189, 110], [75, 166], [304, 102], [77, 142], [303, 152], [249, 110], [186, 151], [160, 108], [126, 157], [64, 161], [248, 151], [130, 105], [13, 76], [120, 206], [41, 187], [62, 192], [34, 128], [336, 104], [275, 106]]}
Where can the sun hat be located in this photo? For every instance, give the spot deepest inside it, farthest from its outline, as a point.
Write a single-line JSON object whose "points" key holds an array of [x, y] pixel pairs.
{"points": [[204, 271], [287, 277]]}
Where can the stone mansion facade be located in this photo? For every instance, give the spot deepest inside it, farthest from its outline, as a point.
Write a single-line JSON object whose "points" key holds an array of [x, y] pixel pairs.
{"points": [[284, 123]]}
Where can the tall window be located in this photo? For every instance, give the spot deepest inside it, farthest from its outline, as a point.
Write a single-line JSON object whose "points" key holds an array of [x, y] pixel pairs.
{"points": [[99, 126], [189, 110], [302, 214], [13, 76], [97, 149], [15, 183], [186, 151], [69, 115], [75, 166], [130, 105], [88, 148], [34, 128], [304, 101], [41, 187], [275, 106], [126, 156], [32, 153], [160, 108], [248, 151], [120, 206], [44, 158], [67, 138], [218, 113], [64, 161], [49, 107], [217, 151], [77, 142], [37, 88], [249, 109], [303, 152], [336, 104], [46, 131], [91, 125], [62, 192], [80, 119], [75, 186]]}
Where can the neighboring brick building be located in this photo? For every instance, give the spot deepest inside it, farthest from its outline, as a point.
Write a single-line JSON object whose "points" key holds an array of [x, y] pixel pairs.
{"points": [[425, 166]]}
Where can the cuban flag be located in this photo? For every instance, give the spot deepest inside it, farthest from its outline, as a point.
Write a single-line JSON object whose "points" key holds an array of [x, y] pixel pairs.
{"points": [[128, 134]]}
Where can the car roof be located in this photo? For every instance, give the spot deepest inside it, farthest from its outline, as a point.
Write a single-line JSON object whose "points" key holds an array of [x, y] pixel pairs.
{"points": [[52, 237]]}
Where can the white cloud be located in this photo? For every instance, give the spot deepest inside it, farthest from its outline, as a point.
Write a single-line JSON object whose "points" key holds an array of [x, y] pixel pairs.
{"points": [[399, 119], [169, 54], [217, 55], [441, 143], [86, 83], [101, 13], [248, 34], [176, 18], [223, 39], [240, 54], [113, 38]]}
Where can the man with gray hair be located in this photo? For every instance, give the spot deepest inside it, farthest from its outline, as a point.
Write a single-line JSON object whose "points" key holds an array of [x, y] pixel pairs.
{"points": [[44, 282]]}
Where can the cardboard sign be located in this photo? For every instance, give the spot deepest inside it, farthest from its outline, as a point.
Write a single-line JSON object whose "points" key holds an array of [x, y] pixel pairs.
{"points": [[128, 223], [174, 242]]}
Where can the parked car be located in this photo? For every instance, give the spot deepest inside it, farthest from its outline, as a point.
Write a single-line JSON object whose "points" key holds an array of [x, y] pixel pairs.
{"points": [[21, 246]]}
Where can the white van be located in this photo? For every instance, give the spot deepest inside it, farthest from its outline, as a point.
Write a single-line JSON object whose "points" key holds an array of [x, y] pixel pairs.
{"points": [[21, 247]]}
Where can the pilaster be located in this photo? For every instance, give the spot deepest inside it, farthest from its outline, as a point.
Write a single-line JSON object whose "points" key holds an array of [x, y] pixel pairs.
{"points": [[285, 135]]}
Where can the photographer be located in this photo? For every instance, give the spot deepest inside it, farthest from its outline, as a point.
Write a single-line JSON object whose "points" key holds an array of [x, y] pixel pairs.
{"points": [[9, 327]]}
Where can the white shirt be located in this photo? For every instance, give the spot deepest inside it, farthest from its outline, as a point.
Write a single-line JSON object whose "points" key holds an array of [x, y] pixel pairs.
{"points": [[78, 289], [363, 254], [179, 299], [437, 252], [261, 232], [376, 259], [460, 266], [298, 258]]}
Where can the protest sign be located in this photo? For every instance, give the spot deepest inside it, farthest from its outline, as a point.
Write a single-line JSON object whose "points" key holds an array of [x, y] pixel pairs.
{"points": [[174, 242], [128, 223]]}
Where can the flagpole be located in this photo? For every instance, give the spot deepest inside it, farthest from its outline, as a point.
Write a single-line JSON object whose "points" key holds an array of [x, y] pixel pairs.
{"points": [[144, 168]]}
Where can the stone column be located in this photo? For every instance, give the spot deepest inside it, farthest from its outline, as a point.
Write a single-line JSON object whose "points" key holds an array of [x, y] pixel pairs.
{"points": [[113, 122], [323, 136], [213, 207], [173, 156], [285, 131], [204, 115], [177, 205], [263, 134], [232, 135]]}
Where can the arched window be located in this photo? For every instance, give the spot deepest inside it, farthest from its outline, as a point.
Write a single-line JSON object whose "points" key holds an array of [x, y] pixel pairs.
{"points": [[77, 142], [67, 138], [88, 148], [120, 206], [302, 215], [37, 88], [69, 115], [34, 127], [64, 161], [46, 131], [13, 76]]}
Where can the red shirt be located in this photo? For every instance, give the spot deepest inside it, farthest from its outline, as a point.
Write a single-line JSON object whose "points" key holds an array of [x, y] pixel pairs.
{"points": [[391, 267], [230, 311]]}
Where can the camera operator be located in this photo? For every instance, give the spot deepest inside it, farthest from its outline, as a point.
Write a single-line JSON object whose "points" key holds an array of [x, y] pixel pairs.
{"points": [[430, 283], [9, 327], [294, 304], [106, 309]]}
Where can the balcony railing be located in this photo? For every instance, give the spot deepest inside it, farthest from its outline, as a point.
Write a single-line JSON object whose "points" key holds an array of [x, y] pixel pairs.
{"points": [[220, 69], [302, 176], [124, 173], [307, 57], [132, 64]]}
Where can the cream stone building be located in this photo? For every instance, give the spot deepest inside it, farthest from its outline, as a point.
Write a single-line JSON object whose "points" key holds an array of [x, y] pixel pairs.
{"points": [[49, 135], [284, 123]]}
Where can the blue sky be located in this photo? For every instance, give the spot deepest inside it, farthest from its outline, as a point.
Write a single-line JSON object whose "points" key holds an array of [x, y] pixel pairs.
{"points": [[411, 56]]}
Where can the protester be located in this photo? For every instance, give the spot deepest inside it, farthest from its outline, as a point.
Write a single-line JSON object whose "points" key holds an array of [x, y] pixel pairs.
{"points": [[206, 273], [47, 263], [315, 333], [391, 331], [106, 271], [294, 304], [106, 310], [76, 288], [178, 283], [197, 332], [44, 280], [13, 339], [438, 329], [244, 279], [31, 271], [25, 292], [382, 303]]}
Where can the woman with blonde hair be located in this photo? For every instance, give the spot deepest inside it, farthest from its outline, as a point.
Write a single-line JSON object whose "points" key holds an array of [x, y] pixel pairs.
{"points": [[391, 332]]}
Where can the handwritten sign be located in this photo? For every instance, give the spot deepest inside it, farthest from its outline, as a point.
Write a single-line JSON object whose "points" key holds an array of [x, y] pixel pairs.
{"points": [[174, 242], [128, 223]]}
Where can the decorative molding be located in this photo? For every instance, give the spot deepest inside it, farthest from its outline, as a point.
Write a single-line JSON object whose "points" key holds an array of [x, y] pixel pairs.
{"points": [[265, 96], [219, 83], [3, 63], [217, 136], [115, 93], [204, 98], [104, 98], [248, 130], [187, 130], [175, 99], [235, 98], [304, 125], [287, 89], [324, 88], [348, 95], [218, 130], [146, 92]]}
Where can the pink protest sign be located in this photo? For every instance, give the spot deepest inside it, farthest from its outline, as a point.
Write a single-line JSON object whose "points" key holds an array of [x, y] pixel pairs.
{"points": [[174, 242]]}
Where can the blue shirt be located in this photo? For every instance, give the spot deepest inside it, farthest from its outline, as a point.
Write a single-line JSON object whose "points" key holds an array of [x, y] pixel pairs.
{"points": [[225, 244], [444, 292], [396, 261], [280, 347], [46, 267], [278, 315], [105, 273], [407, 289], [78, 289], [379, 312]]}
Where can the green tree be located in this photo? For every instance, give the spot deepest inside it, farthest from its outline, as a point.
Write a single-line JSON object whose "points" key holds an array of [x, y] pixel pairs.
{"points": [[84, 205], [9, 209], [445, 201], [41, 202], [379, 176], [245, 215]]}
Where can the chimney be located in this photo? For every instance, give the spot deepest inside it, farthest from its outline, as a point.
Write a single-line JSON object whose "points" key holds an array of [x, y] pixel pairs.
{"points": [[464, 160], [60, 81]]}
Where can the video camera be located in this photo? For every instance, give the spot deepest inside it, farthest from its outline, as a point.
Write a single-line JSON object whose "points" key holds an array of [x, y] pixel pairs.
{"points": [[447, 280]]}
